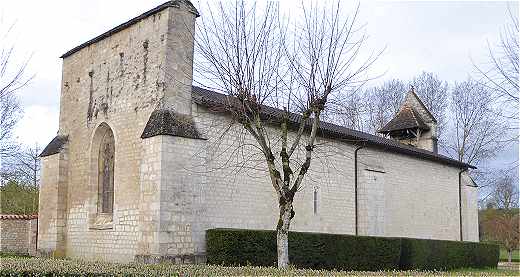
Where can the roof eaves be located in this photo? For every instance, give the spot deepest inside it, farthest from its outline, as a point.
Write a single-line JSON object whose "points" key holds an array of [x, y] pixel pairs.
{"points": [[210, 98], [55, 146]]}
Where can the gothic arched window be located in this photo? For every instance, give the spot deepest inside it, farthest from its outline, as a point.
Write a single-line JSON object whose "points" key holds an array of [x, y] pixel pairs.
{"points": [[106, 173]]}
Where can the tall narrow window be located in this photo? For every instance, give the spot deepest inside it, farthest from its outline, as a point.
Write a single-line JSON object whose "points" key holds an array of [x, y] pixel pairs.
{"points": [[106, 173], [315, 200]]}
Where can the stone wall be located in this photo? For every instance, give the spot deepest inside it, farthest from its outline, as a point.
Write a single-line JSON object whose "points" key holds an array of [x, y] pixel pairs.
{"points": [[221, 182], [53, 205], [18, 234], [117, 81], [469, 191]]}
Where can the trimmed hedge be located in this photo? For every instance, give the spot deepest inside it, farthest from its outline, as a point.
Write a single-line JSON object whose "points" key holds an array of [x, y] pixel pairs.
{"points": [[346, 252], [445, 255], [306, 250]]}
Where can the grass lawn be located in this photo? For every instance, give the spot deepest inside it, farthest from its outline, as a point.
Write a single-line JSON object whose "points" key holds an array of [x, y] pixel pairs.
{"points": [[503, 255], [12, 266]]}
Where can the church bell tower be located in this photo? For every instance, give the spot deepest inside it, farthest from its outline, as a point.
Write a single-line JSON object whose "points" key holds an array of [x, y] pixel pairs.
{"points": [[413, 124]]}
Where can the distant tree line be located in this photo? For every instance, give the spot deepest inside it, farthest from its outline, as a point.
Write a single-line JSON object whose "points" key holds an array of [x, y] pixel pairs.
{"points": [[20, 181]]}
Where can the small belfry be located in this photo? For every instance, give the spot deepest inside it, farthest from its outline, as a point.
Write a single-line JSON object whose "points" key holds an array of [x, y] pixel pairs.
{"points": [[413, 124]]}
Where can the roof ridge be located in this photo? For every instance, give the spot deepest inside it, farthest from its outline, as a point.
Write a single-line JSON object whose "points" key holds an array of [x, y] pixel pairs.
{"points": [[132, 21], [337, 130], [412, 91]]}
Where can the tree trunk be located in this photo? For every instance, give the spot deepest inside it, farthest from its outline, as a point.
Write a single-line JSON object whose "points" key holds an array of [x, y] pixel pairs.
{"points": [[509, 255], [282, 234]]}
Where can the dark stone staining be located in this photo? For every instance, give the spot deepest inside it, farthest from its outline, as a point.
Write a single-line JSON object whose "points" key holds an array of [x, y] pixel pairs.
{"points": [[78, 80], [104, 108], [160, 86], [104, 100], [136, 81], [55, 146], [166, 122], [145, 60], [121, 64], [90, 100]]}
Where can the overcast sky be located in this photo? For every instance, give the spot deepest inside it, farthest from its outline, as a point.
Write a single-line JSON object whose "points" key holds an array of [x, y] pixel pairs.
{"points": [[438, 36]]}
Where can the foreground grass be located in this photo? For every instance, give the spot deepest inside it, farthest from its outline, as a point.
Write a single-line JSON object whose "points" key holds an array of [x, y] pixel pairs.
{"points": [[11, 266]]}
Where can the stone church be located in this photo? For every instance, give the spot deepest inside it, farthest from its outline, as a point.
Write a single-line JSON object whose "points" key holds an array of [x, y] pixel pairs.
{"points": [[133, 174]]}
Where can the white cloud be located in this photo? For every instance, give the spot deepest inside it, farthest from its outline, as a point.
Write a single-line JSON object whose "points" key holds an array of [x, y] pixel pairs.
{"points": [[39, 125]]}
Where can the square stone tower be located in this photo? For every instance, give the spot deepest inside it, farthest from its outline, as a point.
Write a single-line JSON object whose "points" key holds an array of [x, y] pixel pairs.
{"points": [[101, 176]]}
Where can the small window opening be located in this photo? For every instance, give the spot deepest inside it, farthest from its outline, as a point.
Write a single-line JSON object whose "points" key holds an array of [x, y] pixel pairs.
{"points": [[315, 200]]}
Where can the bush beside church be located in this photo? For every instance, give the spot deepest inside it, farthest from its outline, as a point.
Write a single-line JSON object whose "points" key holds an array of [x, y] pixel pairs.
{"points": [[346, 252]]}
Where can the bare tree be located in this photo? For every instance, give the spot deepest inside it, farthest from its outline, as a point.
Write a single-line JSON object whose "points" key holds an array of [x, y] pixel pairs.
{"points": [[12, 78], [348, 112], [434, 94], [246, 54], [23, 166], [501, 73], [501, 219], [382, 103], [478, 129]]}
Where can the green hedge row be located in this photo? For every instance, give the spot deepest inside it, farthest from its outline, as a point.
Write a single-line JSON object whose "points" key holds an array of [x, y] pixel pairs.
{"points": [[442, 254], [345, 252]]}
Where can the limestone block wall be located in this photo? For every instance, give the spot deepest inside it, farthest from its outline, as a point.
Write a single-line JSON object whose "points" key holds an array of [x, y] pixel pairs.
{"points": [[469, 210], [371, 201], [18, 235], [117, 81], [420, 196], [53, 204], [210, 184], [216, 184], [149, 198]]}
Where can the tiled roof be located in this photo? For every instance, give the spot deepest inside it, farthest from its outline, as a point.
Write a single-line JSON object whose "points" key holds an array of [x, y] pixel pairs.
{"points": [[55, 146], [166, 122], [413, 94], [18, 216], [210, 98], [406, 118], [173, 3]]}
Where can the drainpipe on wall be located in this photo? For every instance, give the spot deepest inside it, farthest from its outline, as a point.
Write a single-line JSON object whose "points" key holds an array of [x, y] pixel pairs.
{"points": [[356, 186], [36, 242], [460, 201]]}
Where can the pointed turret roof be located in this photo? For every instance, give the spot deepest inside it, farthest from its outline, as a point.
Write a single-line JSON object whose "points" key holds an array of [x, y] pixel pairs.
{"points": [[406, 118], [412, 97]]}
